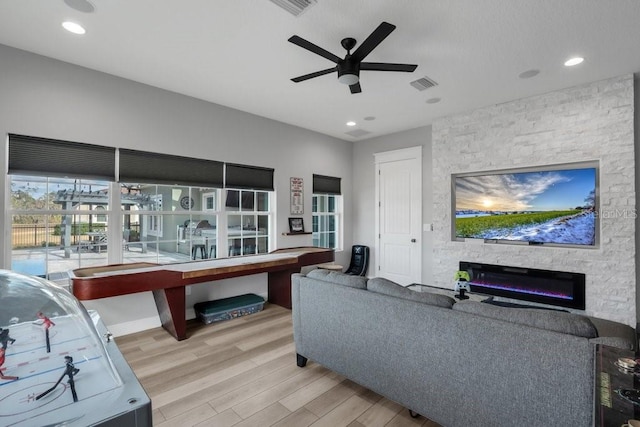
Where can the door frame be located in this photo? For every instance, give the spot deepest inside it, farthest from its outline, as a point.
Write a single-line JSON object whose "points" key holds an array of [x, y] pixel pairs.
{"points": [[411, 153]]}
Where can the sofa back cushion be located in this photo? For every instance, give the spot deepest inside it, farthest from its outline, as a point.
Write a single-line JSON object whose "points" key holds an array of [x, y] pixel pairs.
{"points": [[338, 278], [387, 287], [551, 320]]}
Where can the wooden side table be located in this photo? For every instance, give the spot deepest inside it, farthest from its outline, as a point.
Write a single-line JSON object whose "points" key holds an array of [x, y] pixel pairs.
{"points": [[331, 266]]}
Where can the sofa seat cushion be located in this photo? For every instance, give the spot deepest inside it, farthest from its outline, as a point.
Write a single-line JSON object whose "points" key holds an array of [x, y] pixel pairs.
{"points": [[338, 278], [387, 287], [558, 321]]}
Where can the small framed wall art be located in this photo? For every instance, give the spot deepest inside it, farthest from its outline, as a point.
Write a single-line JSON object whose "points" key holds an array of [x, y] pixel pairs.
{"points": [[297, 196], [296, 225]]}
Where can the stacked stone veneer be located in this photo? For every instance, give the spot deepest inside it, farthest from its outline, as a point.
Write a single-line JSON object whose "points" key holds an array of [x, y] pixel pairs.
{"points": [[588, 122]]}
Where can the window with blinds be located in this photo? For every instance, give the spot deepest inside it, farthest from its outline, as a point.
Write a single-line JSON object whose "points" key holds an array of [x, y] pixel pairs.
{"points": [[326, 211]]}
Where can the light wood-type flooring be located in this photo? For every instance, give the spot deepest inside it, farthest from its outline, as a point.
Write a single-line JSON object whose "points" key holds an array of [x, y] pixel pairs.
{"points": [[243, 372]]}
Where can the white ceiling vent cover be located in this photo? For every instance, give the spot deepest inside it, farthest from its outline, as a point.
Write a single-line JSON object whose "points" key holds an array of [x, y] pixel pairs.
{"points": [[358, 133], [423, 83], [294, 7]]}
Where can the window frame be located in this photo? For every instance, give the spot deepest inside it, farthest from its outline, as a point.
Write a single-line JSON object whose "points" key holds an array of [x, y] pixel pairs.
{"points": [[255, 214], [78, 218], [154, 222], [32, 157], [318, 216], [211, 194]]}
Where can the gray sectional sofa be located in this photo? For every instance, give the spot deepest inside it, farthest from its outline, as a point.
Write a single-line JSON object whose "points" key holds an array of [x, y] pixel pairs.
{"points": [[457, 363]]}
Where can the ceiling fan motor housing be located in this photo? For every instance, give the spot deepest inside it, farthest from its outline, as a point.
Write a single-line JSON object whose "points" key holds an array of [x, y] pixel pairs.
{"points": [[348, 68]]}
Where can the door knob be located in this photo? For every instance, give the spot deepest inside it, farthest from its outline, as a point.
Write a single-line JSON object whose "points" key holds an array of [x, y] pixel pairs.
{"points": [[413, 240]]}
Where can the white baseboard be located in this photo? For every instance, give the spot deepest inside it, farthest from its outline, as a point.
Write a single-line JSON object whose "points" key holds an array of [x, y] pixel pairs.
{"points": [[126, 328]]}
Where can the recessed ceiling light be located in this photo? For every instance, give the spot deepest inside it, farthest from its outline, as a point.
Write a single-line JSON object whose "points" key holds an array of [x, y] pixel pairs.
{"points": [[351, 123], [528, 74], [573, 61], [74, 28], [369, 118], [433, 100]]}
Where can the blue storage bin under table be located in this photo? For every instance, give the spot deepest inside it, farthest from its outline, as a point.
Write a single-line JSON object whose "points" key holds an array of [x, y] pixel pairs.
{"points": [[228, 308]]}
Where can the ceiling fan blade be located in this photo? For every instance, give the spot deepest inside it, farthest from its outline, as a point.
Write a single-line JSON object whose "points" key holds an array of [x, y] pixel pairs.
{"points": [[315, 49], [385, 66], [372, 41], [312, 75], [355, 88]]}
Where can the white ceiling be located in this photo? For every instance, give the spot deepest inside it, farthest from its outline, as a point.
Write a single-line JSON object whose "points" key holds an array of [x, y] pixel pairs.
{"points": [[236, 53]]}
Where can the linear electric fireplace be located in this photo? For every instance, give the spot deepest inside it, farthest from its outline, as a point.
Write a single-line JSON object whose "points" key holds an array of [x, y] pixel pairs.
{"points": [[557, 288]]}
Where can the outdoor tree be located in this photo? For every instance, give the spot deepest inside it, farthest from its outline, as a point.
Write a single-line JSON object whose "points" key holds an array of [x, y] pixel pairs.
{"points": [[32, 229], [22, 200]]}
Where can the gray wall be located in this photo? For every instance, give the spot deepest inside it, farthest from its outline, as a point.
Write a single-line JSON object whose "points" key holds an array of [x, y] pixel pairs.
{"points": [[48, 98]]}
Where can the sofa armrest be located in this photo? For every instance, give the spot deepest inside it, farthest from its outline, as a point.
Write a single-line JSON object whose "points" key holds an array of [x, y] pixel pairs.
{"points": [[614, 334]]}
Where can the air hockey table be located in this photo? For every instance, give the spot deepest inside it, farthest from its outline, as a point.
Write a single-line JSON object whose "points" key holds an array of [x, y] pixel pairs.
{"points": [[65, 371]]}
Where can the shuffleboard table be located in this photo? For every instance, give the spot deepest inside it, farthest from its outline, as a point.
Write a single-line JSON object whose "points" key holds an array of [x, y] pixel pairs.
{"points": [[168, 281]]}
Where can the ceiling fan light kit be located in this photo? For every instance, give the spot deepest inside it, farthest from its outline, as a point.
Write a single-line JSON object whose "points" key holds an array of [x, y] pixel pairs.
{"points": [[349, 67], [348, 79]]}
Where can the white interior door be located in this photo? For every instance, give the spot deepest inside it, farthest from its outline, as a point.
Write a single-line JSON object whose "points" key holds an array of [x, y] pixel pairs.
{"points": [[399, 215]]}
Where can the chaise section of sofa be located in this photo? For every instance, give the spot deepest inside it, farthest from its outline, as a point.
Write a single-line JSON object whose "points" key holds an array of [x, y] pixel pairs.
{"points": [[450, 365]]}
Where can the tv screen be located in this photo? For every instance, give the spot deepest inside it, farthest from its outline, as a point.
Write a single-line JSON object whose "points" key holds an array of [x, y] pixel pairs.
{"points": [[555, 205]]}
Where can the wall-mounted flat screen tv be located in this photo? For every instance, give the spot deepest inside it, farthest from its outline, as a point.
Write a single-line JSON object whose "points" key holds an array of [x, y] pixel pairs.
{"points": [[550, 205]]}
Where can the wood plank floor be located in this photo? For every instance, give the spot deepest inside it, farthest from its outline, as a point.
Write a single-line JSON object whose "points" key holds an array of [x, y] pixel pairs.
{"points": [[243, 373]]}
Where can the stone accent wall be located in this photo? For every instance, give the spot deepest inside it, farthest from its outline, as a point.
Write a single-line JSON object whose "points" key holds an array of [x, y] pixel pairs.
{"points": [[589, 122]]}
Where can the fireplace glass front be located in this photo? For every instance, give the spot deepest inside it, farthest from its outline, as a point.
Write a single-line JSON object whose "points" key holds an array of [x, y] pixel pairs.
{"points": [[557, 288]]}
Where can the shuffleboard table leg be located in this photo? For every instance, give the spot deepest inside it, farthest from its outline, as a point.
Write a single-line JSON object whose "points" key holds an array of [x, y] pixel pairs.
{"points": [[171, 308], [280, 287]]}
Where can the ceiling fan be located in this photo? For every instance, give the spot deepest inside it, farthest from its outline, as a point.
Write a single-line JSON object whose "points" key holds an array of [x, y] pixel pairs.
{"points": [[349, 67]]}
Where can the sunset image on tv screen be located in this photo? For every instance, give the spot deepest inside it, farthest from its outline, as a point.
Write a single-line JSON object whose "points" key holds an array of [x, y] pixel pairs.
{"points": [[557, 206]]}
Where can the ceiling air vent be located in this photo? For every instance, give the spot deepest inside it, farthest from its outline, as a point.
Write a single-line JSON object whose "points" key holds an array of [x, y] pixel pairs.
{"points": [[294, 7], [356, 133], [423, 83]]}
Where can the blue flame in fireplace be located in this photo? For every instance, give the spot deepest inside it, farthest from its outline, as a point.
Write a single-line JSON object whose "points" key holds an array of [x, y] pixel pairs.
{"points": [[522, 290]]}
